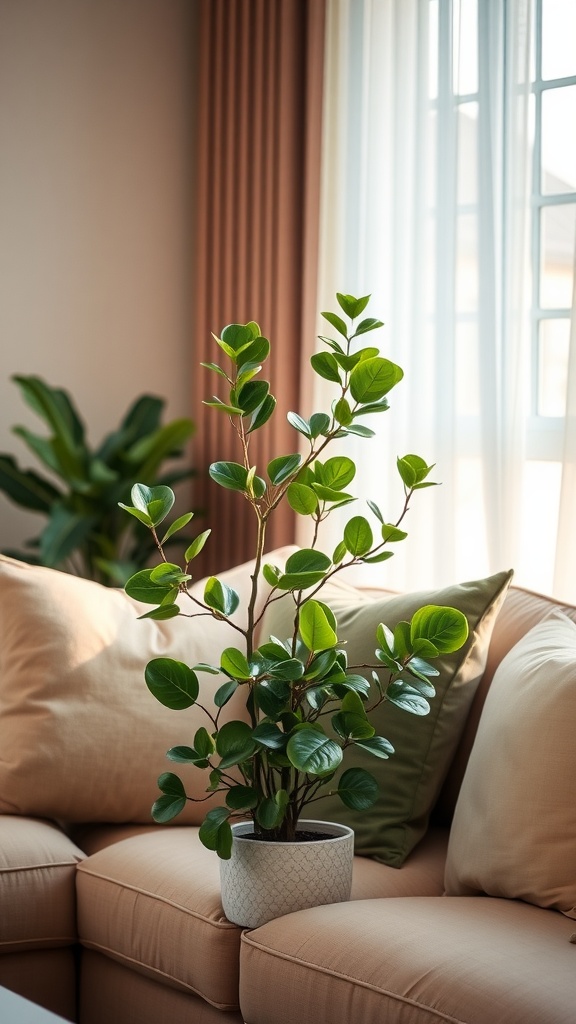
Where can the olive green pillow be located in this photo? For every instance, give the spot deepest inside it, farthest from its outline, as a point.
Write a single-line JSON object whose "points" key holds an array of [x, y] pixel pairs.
{"points": [[411, 779]]}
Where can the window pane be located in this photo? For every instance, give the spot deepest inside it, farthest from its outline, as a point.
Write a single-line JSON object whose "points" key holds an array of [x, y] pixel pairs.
{"points": [[537, 547], [433, 49], [558, 227], [465, 47], [467, 263], [559, 139], [468, 153], [554, 343], [467, 377], [558, 38]]}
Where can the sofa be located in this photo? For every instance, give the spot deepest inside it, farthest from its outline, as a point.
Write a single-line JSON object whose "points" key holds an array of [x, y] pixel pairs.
{"points": [[463, 905]]}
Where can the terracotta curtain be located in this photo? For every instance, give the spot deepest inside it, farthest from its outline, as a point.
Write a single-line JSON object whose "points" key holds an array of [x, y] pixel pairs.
{"points": [[260, 99]]}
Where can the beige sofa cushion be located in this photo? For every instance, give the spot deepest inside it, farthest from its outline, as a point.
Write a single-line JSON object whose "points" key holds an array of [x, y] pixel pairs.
{"points": [[428, 960], [38, 885], [411, 779], [81, 737], [514, 828], [152, 902]]}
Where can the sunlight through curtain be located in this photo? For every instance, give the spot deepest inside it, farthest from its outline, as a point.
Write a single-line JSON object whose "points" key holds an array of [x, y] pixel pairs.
{"points": [[428, 140]]}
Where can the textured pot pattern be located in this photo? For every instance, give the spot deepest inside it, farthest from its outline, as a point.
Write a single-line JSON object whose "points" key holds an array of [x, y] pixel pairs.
{"points": [[264, 880]]}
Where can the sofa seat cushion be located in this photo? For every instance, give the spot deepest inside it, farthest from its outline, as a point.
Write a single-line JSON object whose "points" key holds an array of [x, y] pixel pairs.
{"points": [[466, 960], [37, 879], [152, 902], [422, 873]]}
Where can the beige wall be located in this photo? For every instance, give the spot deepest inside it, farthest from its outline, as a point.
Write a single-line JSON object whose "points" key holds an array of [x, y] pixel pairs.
{"points": [[96, 225]]}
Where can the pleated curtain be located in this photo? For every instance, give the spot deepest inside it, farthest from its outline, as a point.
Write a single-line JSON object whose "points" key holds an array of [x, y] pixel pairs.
{"points": [[257, 199]]}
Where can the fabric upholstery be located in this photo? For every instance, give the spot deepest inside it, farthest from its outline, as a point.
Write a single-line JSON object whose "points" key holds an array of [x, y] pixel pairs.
{"points": [[514, 829], [428, 960], [411, 779], [114, 994], [81, 737], [44, 976], [153, 902], [37, 880], [522, 609]]}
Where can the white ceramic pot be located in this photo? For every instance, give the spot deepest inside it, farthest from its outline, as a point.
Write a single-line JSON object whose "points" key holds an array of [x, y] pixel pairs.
{"points": [[264, 880]]}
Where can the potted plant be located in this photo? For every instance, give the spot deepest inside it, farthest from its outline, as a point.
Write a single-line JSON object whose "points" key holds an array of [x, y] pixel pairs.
{"points": [[304, 704], [85, 532]]}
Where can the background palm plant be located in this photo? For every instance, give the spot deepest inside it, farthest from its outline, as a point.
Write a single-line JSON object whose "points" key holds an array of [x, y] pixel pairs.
{"points": [[86, 533]]}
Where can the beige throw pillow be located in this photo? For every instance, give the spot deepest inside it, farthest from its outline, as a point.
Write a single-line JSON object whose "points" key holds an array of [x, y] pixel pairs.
{"points": [[514, 829], [81, 737], [411, 779]]}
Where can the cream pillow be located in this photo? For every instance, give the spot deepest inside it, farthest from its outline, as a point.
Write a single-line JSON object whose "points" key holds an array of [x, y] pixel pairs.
{"points": [[514, 828], [81, 737]]}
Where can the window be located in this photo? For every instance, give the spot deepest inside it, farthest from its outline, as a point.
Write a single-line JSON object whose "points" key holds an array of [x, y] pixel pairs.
{"points": [[449, 193]]}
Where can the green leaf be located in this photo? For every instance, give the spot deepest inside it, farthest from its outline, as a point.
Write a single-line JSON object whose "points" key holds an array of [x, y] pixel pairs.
{"points": [[172, 683], [374, 508], [168, 573], [234, 744], [233, 662], [273, 696], [270, 736], [444, 627], [26, 488], [215, 832], [147, 454], [257, 352], [177, 525], [225, 692], [299, 423], [220, 406], [55, 407], [373, 378], [407, 698], [229, 474], [271, 574], [313, 752], [196, 546], [391, 533], [173, 801], [342, 412], [307, 560], [220, 596], [252, 395], [340, 552], [64, 532], [335, 321], [241, 798], [370, 324], [271, 811], [319, 424], [154, 501], [326, 366], [358, 536], [378, 746], [413, 470], [283, 467], [359, 430], [338, 472], [351, 306], [316, 629], [301, 499], [142, 588], [237, 337], [352, 726], [263, 414], [186, 755], [358, 789]]}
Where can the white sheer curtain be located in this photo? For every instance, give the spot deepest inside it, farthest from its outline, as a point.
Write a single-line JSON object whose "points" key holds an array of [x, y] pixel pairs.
{"points": [[425, 205]]}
